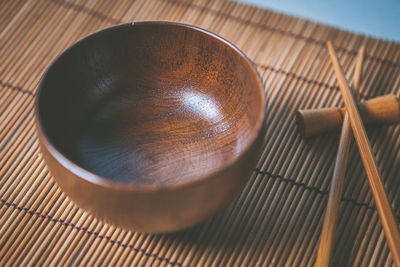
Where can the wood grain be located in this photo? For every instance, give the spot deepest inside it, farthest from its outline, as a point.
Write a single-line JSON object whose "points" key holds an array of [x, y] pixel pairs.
{"points": [[150, 111]]}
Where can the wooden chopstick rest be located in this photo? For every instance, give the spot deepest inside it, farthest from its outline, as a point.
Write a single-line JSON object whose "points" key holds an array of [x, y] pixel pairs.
{"points": [[378, 110]]}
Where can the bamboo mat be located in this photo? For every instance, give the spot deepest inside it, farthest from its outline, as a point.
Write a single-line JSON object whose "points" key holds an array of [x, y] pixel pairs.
{"points": [[276, 220]]}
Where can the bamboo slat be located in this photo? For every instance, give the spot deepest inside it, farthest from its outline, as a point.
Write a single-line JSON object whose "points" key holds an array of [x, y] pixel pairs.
{"points": [[277, 218]]}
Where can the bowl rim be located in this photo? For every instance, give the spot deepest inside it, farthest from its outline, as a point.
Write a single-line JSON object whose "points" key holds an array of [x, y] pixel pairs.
{"points": [[102, 181]]}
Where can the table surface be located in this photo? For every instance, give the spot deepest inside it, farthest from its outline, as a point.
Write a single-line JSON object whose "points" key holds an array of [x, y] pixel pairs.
{"points": [[371, 17]]}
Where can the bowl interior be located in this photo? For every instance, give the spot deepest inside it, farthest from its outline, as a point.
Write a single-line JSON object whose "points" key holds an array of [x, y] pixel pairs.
{"points": [[151, 103]]}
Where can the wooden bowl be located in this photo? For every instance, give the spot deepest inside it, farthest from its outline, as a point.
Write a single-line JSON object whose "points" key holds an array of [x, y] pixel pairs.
{"points": [[151, 126]]}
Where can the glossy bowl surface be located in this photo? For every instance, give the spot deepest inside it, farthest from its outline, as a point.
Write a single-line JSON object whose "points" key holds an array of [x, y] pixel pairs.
{"points": [[152, 126]]}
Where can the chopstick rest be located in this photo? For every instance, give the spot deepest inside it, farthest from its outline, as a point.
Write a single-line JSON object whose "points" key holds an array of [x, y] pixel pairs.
{"points": [[378, 110]]}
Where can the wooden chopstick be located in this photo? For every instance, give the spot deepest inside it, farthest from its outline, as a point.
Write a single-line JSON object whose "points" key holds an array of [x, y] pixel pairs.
{"points": [[385, 212], [336, 187]]}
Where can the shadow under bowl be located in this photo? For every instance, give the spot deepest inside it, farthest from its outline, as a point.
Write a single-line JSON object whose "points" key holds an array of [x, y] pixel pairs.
{"points": [[152, 126]]}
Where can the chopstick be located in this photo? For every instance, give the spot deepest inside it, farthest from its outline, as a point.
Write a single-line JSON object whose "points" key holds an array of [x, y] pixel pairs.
{"points": [[336, 187], [385, 212]]}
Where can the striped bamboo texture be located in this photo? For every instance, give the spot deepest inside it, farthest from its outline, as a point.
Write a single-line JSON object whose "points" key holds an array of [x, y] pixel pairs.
{"points": [[277, 219]]}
